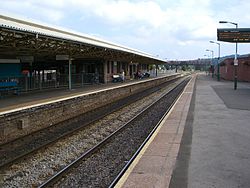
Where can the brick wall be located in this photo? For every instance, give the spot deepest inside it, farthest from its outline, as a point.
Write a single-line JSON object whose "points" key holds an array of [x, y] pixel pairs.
{"points": [[243, 69]]}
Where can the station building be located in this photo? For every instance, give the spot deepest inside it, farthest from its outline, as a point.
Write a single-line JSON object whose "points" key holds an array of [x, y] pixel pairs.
{"points": [[227, 68], [39, 56]]}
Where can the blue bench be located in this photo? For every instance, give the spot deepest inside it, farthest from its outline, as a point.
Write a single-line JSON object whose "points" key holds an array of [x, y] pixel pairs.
{"points": [[9, 86]]}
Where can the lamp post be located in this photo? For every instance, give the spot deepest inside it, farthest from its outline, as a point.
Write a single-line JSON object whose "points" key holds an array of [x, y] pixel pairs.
{"points": [[218, 64], [206, 64], [235, 57], [211, 59]]}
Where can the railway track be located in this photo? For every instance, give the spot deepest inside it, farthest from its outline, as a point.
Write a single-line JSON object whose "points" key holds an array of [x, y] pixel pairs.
{"points": [[37, 168], [19, 148], [104, 164]]}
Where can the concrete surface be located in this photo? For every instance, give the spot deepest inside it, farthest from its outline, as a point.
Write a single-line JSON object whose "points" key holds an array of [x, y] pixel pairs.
{"points": [[237, 99], [215, 152]]}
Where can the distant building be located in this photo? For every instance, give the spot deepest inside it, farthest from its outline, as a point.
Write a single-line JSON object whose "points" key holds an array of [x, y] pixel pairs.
{"points": [[243, 68]]}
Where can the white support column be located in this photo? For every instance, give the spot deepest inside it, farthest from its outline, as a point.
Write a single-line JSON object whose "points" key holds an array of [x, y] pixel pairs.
{"points": [[115, 67], [156, 70], [105, 71], [70, 84]]}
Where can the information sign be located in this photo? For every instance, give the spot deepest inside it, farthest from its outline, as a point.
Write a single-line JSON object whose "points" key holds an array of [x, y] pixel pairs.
{"points": [[240, 35]]}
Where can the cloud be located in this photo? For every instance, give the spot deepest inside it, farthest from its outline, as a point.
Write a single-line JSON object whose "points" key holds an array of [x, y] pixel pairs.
{"points": [[237, 12], [151, 25], [124, 12], [179, 19], [137, 15], [40, 10]]}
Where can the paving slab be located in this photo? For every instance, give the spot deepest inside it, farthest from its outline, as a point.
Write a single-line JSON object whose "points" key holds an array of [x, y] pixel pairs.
{"points": [[215, 151], [241, 99]]}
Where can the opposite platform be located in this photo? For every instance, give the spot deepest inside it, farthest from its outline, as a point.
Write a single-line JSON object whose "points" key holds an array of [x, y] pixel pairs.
{"points": [[37, 111], [34, 98]]}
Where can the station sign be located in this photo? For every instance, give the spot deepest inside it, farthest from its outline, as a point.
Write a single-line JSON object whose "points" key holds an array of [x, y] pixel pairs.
{"points": [[62, 57], [27, 59], [9, 60], [240, 35], [235, 62]]}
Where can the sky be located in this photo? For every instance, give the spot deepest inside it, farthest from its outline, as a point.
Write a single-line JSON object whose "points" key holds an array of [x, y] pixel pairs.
{"points": [[167, 29]]}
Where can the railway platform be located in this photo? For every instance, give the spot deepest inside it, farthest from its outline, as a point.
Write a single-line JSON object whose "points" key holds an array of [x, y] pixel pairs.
{"points": [[204, 142], [21, 115], [13, 102]]}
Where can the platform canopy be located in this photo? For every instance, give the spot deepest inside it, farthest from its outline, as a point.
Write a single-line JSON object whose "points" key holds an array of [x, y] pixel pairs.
{"points": [[25, 38]]}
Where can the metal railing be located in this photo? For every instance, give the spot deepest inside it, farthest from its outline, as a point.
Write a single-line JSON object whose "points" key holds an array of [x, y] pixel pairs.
{"points": [[38, 82]]}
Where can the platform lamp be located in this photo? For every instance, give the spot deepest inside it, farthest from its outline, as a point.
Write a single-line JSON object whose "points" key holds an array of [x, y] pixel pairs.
{"points": [[212, 52], [235, 57], [218, 64]]}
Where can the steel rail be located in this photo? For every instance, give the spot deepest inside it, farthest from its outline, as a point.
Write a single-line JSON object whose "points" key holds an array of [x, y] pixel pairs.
{"points": [[53, 179], [118, 177]]}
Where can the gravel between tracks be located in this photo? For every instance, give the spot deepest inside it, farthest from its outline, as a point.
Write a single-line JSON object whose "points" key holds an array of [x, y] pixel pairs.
{"points": [[38, 167], [100, 169]]}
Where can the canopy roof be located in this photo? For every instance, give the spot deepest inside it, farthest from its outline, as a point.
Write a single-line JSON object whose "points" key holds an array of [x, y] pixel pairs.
{"points": [[27, 38]]}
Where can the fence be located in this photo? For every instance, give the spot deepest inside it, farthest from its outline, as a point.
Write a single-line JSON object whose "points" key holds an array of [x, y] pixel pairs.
{"points": [[38, 82]]}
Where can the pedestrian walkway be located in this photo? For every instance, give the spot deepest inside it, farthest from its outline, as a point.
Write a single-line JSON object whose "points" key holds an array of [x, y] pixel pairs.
{"points": [[36, 97], [215, 148]]}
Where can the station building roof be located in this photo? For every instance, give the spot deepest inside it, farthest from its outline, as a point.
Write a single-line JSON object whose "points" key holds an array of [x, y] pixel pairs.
{"points": [[30, 38]]}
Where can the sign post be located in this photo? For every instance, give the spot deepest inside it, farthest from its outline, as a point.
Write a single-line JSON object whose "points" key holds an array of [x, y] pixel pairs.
{"points": [[234, 35]]}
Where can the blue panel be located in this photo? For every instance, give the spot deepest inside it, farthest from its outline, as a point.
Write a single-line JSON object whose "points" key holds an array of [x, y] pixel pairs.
{"points": [[10, 70]]}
